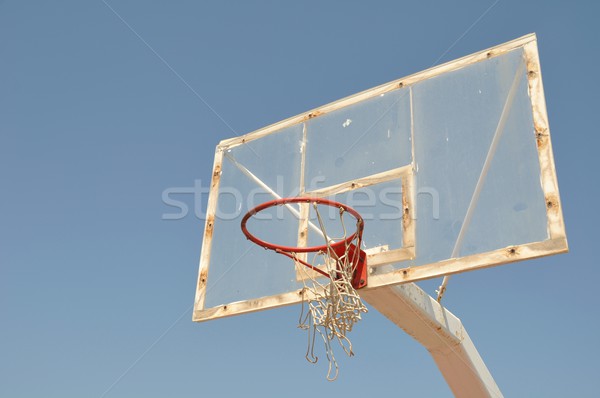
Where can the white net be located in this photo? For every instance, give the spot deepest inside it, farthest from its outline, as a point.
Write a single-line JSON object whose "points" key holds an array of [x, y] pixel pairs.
{"points": [[331, 306]]}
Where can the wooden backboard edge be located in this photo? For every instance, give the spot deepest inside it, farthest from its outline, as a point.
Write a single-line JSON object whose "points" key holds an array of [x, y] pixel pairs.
{"points": [[243, 307], [409, 211], [453, 266], [556, 226], [376, 256], [362, 182], [211, 209], [377, 259], [382, 89]]}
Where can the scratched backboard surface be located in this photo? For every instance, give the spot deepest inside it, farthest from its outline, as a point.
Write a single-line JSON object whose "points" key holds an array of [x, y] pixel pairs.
{"points": [[451, 169]]}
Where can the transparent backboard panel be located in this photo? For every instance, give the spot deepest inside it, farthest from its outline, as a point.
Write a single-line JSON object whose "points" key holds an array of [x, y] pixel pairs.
{"points": [[361, 140], [380, 206], [451, 169]]}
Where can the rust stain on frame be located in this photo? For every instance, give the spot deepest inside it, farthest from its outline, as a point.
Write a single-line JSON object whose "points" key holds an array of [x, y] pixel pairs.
{"points": [[208, 233]]}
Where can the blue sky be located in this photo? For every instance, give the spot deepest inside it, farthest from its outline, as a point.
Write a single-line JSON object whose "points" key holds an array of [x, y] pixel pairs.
{"points": [[106, 104]]}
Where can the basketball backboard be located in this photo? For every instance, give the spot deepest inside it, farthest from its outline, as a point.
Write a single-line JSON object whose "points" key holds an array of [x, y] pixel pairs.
{"points": [[451, 169]]}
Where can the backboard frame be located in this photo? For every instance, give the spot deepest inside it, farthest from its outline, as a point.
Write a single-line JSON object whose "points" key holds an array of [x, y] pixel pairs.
{"points": [[557, 242]]}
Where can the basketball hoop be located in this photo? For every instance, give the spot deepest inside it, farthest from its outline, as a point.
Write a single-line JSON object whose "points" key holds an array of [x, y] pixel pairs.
{"points": [[333, 306]]}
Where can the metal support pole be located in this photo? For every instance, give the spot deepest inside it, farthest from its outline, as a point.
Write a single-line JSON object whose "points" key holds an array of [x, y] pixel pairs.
{"points": [[441, 333]]}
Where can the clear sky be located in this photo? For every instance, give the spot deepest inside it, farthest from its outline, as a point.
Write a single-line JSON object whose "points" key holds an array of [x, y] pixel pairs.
{"points": [[104, 105]]}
